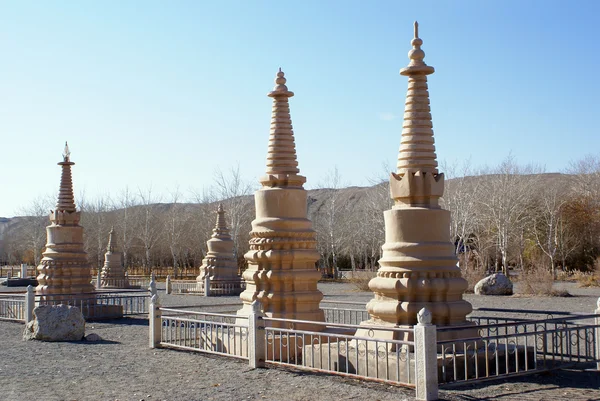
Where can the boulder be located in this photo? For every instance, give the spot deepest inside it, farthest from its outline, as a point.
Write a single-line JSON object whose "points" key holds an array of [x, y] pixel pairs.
{"points": [[55, 323], [496, 284], [93, 337]]}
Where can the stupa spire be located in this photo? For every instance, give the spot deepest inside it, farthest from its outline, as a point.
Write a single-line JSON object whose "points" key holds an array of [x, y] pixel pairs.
{"points": [[418, 265], [281, 272], [64, 269], [282, 166], [111, 241], [417, 150], [221, 230], [66, 200]]}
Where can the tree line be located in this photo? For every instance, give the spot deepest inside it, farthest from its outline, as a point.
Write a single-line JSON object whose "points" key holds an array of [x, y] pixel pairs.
{"points": [[509, 216]]}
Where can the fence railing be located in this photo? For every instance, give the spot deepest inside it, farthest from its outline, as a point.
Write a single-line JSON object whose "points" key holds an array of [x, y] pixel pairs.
{"points": [[98, 305], [338, 312], [13, 307], [208, 332], [506, 348], [326, 349], [132, 282], [18, 271], [314, 346], [102, 304], [422, 356], [193, 287]]}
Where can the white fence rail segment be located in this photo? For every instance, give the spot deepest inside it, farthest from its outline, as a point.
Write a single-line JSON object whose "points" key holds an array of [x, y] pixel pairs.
{"points": [[13, 307], [337, 312], [214, 333], [131, 282], [185, 287], [193, 287], [389, 361], [105, 304], [521, 347]]}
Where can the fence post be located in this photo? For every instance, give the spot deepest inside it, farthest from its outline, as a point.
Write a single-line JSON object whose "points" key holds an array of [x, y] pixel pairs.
{"points": [[152, 287], [154, 315], [597, 330], [426, 370], [168, 285], [98, 279], [23, 270], [256, 337], [207, 285], [29, 304]]}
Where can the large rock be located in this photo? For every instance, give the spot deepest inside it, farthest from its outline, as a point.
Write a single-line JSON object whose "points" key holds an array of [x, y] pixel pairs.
{"points": [[55, 323], [496, 284]]}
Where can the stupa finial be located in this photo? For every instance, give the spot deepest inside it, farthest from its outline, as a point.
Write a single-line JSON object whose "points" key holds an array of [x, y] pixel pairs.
{"points": [[280, 89], [111, 240], [66, 200], [66, 152], [416, 29], [220, 230]]}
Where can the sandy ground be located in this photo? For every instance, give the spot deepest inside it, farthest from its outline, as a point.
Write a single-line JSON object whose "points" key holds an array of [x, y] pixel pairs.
{"points": [[123, 367]]}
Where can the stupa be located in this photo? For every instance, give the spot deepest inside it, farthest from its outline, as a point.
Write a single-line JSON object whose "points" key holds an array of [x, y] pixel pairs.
{"points": [[113, 274], [64, 268], [418, 266], [281, 271], [220, 263]]}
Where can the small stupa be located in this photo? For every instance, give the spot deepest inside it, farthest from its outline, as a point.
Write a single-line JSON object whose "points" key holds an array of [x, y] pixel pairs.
{"points": [[113, 274], [418, 266], [64, 268], [281, 271], [220, 263]]}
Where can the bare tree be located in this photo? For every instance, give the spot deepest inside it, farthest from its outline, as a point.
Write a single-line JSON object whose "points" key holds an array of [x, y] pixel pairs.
{"points": [[233, 191], [148, 224], [36, 220], [460, 198], [177, 228], [507, 191], [125, 221]]}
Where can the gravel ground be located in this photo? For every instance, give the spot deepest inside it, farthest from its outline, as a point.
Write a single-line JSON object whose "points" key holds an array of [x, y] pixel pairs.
{"points": [[123, 367]]}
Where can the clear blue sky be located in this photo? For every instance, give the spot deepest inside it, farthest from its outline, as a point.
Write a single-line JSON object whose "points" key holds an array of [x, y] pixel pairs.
{"points": [[161, 93]]}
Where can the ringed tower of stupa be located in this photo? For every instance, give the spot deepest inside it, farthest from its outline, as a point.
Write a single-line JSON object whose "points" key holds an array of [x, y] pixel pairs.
{"points": [[418, 264], [64, 268], [220, 263], [113, 273], [281, 271]]}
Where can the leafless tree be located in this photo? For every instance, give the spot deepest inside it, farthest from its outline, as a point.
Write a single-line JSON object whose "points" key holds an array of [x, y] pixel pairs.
{"points": [[506, 194], [148, 224]]}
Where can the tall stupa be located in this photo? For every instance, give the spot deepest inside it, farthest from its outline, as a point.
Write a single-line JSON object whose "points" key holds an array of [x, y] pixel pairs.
{"points": [[281, 271], [418, 265], [113, 273], [220, 264], [64, 268]]}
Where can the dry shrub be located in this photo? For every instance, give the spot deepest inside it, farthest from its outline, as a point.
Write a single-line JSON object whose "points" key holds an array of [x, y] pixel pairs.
{"points": [[360, 279], [473, 274], [588, 279], [538, 280], [566, 276]]}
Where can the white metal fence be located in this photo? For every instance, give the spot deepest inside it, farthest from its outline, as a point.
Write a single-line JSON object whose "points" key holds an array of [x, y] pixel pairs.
{"points": [[508, 347], [13, 307], [208, 332], [422, 356], [103, 304], [193, 287]]}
